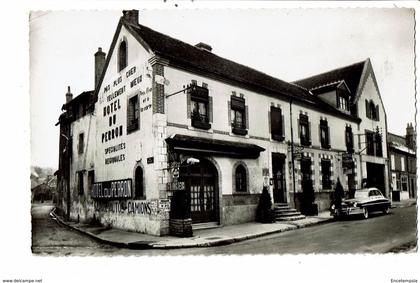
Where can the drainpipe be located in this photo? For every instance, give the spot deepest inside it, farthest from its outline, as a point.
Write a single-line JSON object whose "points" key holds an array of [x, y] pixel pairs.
{"points": [[293, 154]]}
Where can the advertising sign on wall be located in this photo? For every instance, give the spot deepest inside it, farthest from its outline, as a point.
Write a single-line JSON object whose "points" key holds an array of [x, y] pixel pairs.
{"points": [[118, 189]]}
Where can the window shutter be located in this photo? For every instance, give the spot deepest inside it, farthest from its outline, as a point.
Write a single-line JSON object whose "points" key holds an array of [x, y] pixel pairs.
{"points": [[328, 137], [309, 132], [377, 112], [229, 114], [320, 134], [367, 108], [337, 97], [298, 123], [282, 127], [188, 105], [246, 117], [211, 109], [269, 122]]}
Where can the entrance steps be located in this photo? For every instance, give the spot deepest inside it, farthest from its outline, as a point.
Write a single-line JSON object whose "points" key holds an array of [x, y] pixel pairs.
{"points": [[283, 212], [205, 225]]}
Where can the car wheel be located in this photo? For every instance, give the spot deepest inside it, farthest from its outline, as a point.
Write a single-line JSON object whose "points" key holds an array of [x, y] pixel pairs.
{"points": [[365, 213], [386, 210]]}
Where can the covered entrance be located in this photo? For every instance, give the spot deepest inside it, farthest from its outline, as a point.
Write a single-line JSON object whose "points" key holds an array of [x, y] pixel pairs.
{"points": [[201, 183], [279, 178], [376, 176]]}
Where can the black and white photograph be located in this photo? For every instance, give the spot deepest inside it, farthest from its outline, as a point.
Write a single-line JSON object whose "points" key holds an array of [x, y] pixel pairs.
{"points": [[261, 133]]}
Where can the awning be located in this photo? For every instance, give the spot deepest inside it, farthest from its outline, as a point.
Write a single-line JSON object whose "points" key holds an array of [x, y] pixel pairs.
{"points": [[199, 145]]}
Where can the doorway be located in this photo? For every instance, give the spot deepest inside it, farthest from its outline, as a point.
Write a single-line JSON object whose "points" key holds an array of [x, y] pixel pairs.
{"points": [[201, 183], [279, 178]]}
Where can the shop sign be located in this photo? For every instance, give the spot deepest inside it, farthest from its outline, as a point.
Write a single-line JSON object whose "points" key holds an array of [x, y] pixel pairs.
{"points": [[150, 160], [118, 189]]}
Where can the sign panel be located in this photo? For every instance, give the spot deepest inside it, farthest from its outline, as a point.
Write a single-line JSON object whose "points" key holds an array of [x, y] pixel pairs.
{"points": [[118, 189]]}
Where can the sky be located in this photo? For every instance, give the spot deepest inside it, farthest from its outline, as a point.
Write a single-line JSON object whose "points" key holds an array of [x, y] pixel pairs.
{"points": [[289, 44]]}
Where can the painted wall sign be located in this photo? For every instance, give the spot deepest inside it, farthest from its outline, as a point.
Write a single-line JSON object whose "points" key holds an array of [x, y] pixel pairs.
{"points": [[154, 207], [118, 189]]}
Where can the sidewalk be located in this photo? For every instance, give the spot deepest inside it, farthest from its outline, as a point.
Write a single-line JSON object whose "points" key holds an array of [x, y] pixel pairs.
{"points": [[219, 236], [403, 203]]}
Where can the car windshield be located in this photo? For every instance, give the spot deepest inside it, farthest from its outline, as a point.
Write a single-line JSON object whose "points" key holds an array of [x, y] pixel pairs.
{"points": [[361, 194]]}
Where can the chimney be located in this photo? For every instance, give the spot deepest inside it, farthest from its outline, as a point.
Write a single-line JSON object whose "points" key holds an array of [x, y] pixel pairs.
{"points": [[131, 16], [99, 65], [204, 46], [410, 138], [69, 95]]}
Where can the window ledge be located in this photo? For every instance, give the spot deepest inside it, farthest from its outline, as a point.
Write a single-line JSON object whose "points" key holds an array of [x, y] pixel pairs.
{"points": [[279, 138], [200, 124], [239, 131]]}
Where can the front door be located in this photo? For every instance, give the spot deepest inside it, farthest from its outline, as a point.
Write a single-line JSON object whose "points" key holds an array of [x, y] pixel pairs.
{"points": [[279, 179], [201, 183]]}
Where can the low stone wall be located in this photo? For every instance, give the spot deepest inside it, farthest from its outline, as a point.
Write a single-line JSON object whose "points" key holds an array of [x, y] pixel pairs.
{"points": [[240, 208]]}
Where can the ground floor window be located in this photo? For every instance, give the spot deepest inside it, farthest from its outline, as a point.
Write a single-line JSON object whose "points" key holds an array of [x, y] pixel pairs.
{"points": [[326, 174], [240, 179]]}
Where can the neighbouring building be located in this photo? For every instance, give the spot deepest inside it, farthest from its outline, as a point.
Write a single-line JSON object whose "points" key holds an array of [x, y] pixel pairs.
{"points": [[402, 152], [165, 115]]}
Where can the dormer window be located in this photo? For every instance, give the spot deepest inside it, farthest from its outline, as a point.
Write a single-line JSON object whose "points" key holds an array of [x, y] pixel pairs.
{"points": [[343, 103], [122, 55]]}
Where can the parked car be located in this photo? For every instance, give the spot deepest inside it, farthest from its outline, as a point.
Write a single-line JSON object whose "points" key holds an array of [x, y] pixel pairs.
{"points": [[364, 202]]}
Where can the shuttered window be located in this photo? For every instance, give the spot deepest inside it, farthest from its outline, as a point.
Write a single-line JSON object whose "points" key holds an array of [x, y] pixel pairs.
{"points": [[133, 114], [276, 123], [238, 115], [324, 133]]}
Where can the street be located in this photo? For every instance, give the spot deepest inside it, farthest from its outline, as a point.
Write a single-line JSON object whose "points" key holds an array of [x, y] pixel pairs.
{"points": [[395, 232]]}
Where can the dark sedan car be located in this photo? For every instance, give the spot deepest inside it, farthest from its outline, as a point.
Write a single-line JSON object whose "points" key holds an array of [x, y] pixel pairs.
{"points": [[364, 202]]}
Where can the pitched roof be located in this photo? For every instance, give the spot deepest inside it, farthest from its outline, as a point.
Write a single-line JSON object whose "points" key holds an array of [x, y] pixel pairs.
{"points": [[189, 56], [350, 74]]}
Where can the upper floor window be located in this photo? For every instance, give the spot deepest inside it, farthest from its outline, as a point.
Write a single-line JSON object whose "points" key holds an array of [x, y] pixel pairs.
{"points": [[276, 123], [238, 115], [343, 102], [304, 130], [199, 106], [370, 146], [402, 163], [122, 55], [324, 133], [81, 144], [373, 144], [240, 179], [133, 114], [349, 140], [372, 110], [392, 162]]}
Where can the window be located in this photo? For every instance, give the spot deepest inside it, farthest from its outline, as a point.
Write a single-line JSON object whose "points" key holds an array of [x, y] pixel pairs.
{"points": [[370, 147], [349, 140], [80, 186], [304, 130], [133, 114], [240, 179], [326, 174], [81, 144], [139, 190], [324, 134], [402, 163], [199, 107], [392, 162], [91, 180], [372, 110], [404, 183], [343, 103], [238, 114], [276, 120], [122, 56]]}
